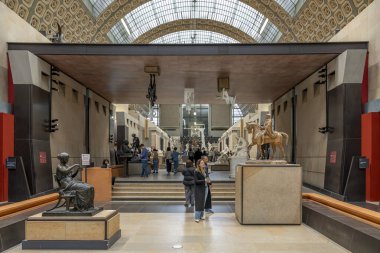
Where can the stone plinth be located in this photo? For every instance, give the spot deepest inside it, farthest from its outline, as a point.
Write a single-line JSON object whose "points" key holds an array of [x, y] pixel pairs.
{"points": [[268, 193], [234, 161], [219, 166], [100, 231]]}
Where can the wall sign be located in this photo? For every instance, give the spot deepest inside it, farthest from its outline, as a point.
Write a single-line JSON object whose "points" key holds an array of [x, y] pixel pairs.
{"points": [[333, 157], [85, 159], [10, 163], [43, 159]]}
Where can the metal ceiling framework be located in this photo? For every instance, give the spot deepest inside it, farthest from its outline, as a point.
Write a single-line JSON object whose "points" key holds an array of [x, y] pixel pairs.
{"points": [[210, 26], [260, 11], [158, 12]]}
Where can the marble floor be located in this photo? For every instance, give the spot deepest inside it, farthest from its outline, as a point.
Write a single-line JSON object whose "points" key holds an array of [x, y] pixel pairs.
{"points": [[159, 232]]}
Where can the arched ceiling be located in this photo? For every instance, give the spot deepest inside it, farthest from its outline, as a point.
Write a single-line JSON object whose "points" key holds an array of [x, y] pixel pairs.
{"points": [[317, 20], [271, 9], [199, 24], [194, 37]]}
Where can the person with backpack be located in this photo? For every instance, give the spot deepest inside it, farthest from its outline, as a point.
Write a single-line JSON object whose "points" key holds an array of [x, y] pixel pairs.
{"points": [[188, 182]]}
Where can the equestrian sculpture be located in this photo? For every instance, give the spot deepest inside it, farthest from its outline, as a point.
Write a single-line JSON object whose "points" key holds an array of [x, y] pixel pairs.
{"points": [[266, 135]]}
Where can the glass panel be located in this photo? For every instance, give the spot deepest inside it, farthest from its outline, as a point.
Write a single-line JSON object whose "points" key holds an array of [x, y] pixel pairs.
{"points": [[236, 114], [98, 6], [194, 37], [158, 12], [289, 5]]}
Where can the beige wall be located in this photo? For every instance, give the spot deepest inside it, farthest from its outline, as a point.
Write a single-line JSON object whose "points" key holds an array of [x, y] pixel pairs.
{"points": [[282, 122], [68, 108], [13, 29], [310, 116], [99, 129], [366, 27]]}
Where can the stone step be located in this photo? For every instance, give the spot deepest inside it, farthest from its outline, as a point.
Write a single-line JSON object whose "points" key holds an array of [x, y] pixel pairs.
{"points": [[165, 198], [157, 189], [163, 185], [167, 193]]}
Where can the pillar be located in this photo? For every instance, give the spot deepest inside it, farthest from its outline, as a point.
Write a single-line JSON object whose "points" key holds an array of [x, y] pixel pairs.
{"points": [[6, 150]]}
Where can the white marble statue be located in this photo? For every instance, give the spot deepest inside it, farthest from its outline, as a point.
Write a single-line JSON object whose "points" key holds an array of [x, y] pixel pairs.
{"points": [[241, 148], [224, 155]]}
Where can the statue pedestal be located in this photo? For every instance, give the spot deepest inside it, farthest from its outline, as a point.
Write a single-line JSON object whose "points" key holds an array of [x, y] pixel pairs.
{"points": [[268, 193], [234, 161], [98, 232]]}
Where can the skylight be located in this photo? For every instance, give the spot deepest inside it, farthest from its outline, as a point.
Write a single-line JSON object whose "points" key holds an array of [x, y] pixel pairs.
{"points": [[158, 12], [194, 37]]}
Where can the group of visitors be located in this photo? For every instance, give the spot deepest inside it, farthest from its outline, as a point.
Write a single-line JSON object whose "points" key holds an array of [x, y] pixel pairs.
{"points": [[198, 187], [171, 157]]}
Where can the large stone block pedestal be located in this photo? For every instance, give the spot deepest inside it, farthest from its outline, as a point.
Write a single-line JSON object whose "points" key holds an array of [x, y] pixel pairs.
{"points": [[99, 232], [268, 193]]}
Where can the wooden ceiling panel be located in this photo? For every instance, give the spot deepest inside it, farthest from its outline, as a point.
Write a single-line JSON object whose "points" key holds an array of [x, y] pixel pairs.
{"points": [[253, 78]]}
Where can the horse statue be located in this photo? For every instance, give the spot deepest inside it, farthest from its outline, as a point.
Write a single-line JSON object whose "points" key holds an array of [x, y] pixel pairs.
{"points": [[262, 136]]}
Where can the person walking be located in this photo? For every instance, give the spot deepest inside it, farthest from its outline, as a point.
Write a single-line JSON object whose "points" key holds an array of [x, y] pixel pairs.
{"points": [[175, 160], [168, 158], [155, 161], [144, 161], [188, 182], [200, 190]]}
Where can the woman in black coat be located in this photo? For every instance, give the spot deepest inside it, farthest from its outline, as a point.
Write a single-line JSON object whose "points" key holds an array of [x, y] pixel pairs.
{"points": [[200, 191]]}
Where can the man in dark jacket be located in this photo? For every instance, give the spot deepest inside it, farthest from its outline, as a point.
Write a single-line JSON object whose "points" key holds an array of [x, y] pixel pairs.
{"points": [[188, 181]]}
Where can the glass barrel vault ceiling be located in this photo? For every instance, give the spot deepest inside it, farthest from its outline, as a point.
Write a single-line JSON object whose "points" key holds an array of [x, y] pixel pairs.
{"points": [[194, 37], [158, 12], [98, 6]]}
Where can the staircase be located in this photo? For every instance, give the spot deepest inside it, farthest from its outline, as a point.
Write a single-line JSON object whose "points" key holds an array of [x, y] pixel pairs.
{"points": [[166, 191]]}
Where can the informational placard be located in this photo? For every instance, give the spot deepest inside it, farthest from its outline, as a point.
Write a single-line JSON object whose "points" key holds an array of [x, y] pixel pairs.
{"points": [[85, 159], [43, 159], [333, 157], [10, 163]]}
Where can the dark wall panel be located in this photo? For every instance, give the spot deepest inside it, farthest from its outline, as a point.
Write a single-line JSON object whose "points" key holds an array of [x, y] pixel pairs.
{"points": [[32, 141], [345, 140]]}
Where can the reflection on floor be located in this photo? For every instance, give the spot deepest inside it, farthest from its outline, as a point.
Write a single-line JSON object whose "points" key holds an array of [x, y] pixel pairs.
{"points": [[158, 232]]}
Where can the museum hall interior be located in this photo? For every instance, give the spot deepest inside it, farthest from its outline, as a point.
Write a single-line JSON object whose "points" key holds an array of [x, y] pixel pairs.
{"points": [[172, 125]]}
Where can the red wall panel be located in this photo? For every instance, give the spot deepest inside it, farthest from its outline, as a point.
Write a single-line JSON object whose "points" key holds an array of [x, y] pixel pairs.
{"points": [[371, 149], [6, 149]]}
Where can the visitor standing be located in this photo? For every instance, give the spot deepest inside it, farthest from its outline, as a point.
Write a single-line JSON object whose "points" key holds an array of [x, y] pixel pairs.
{"points": [[208, 202], [190, 154], [155, 161], [200, 190], [144, 161], [175, 160], [188, 181], [197, 155], [211, 154], [168, 158]]}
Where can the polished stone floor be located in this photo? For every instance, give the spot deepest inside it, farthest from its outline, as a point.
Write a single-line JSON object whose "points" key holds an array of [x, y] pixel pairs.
{"points": [[219, 233]]}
